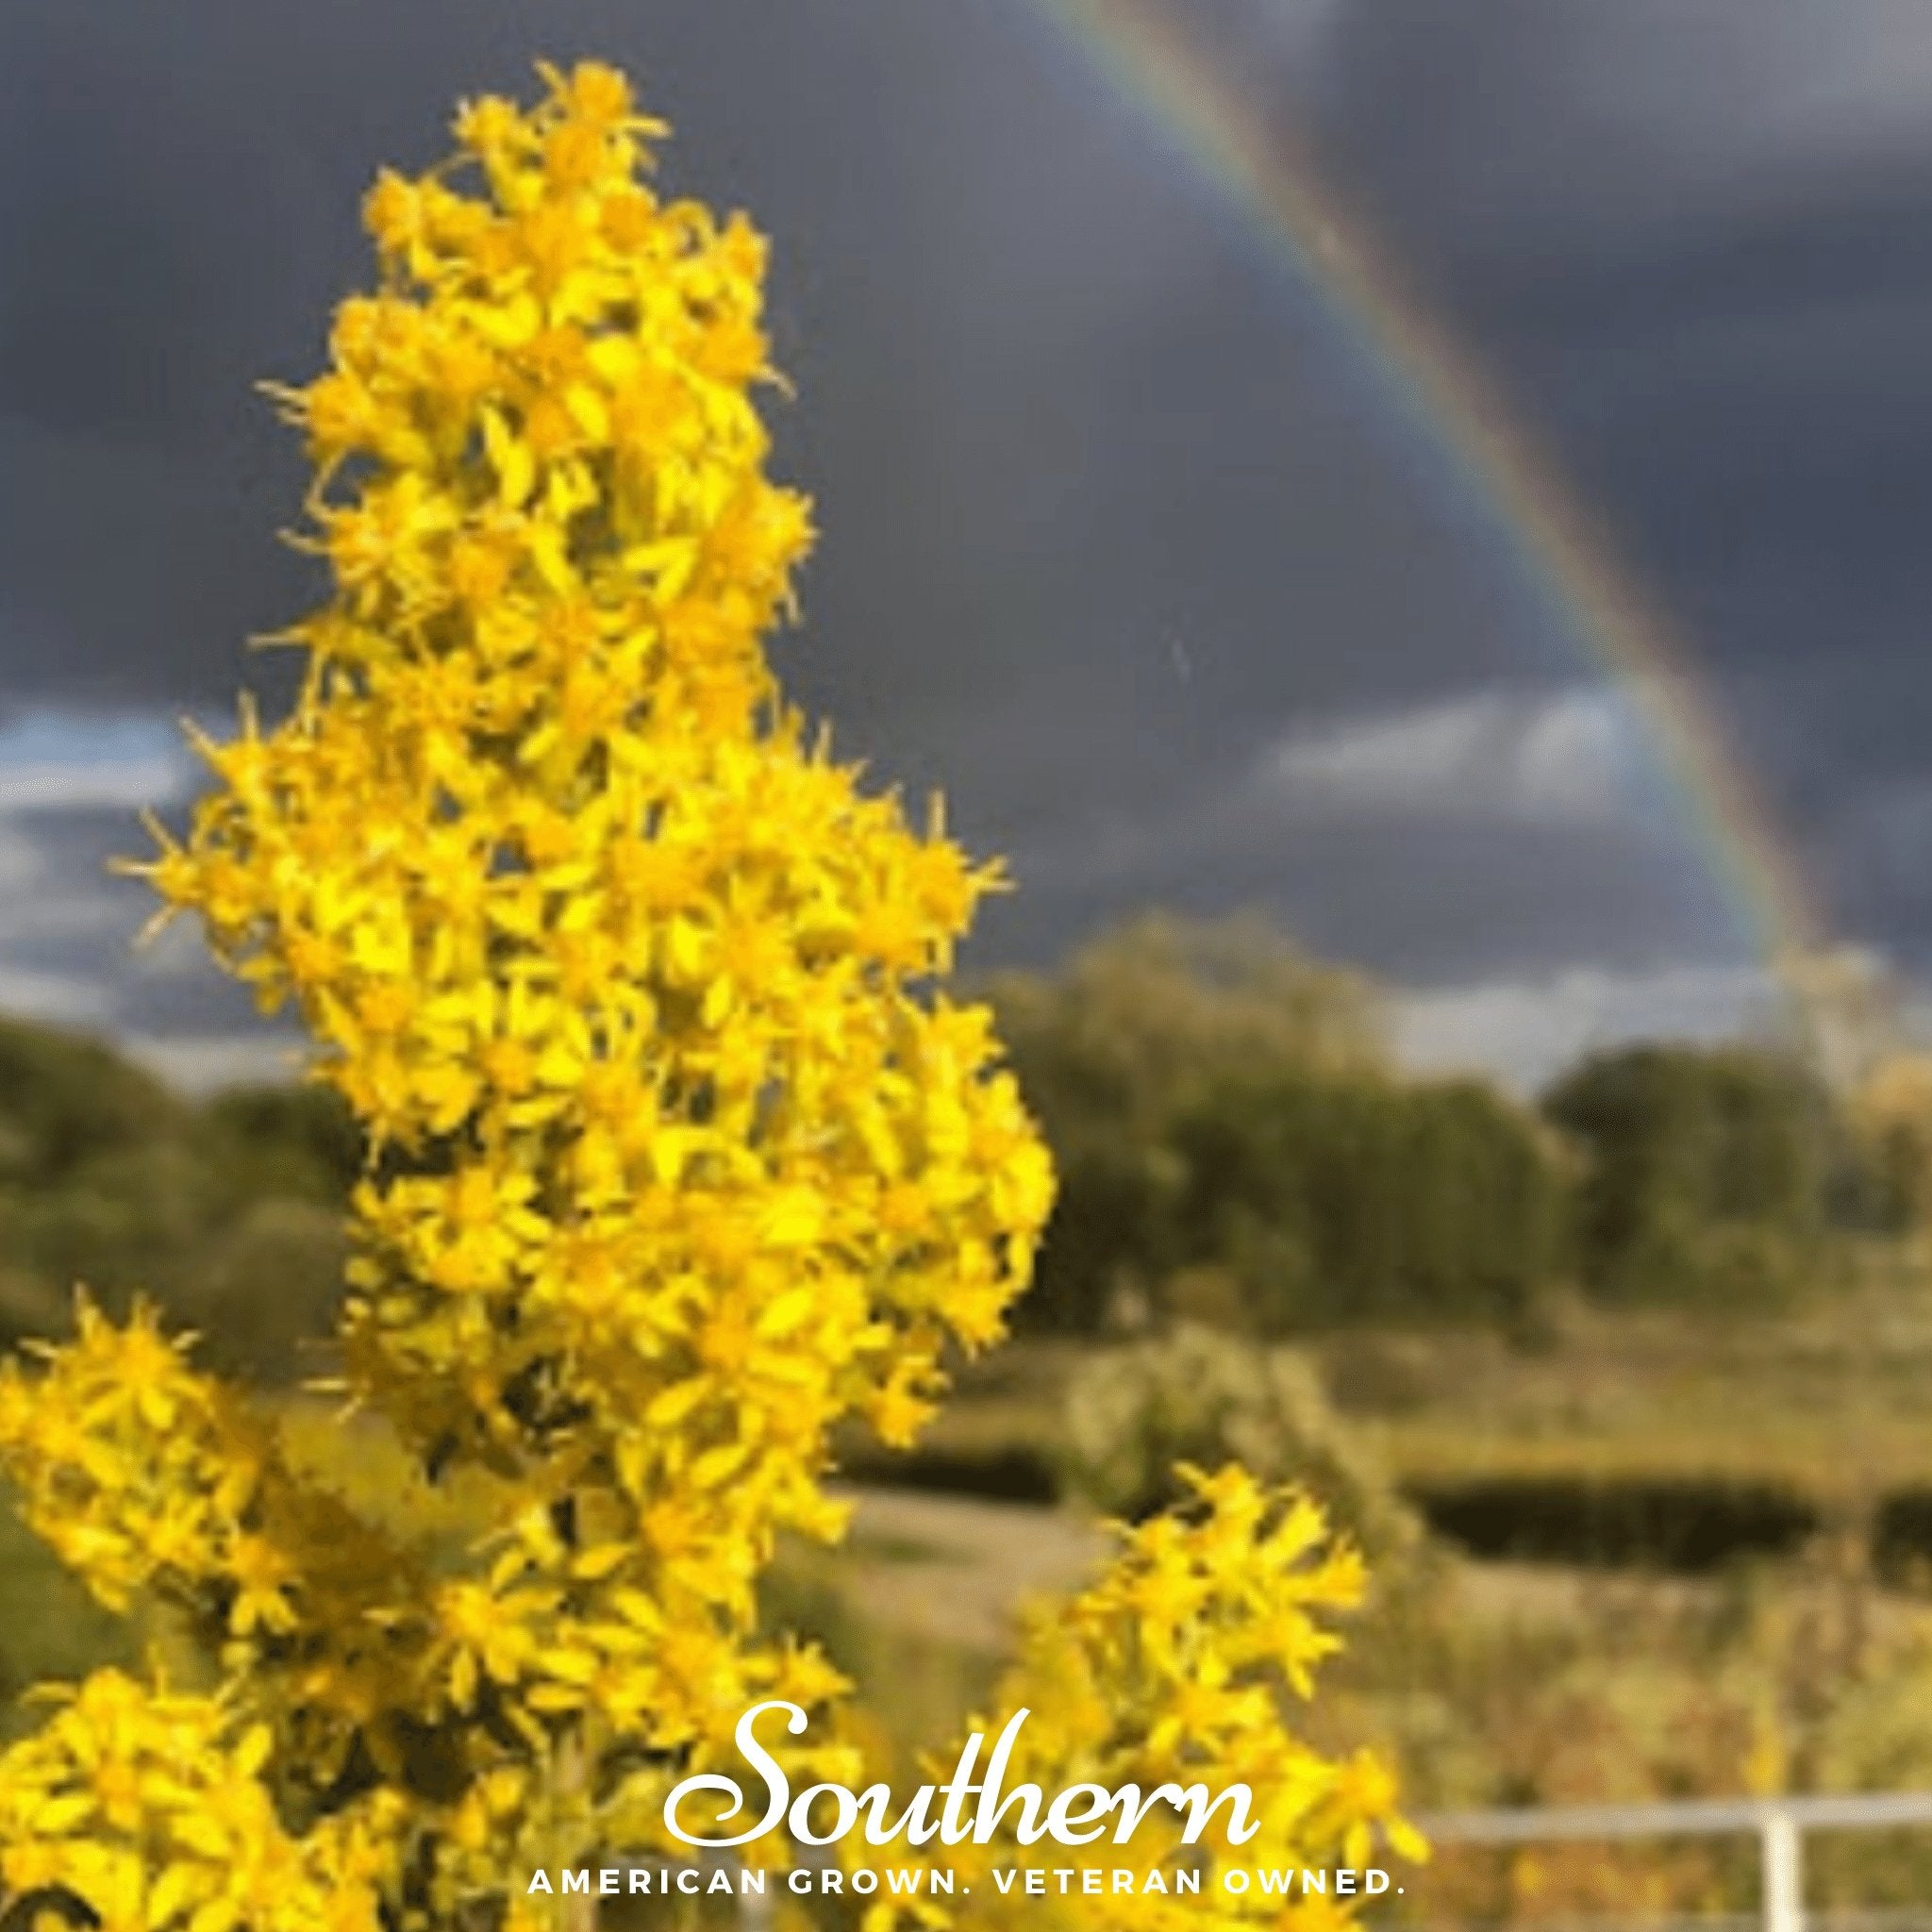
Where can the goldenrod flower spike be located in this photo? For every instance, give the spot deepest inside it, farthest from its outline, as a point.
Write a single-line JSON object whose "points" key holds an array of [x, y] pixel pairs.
{"points": [[616, 971], [677, 1157], [676, 1160]]}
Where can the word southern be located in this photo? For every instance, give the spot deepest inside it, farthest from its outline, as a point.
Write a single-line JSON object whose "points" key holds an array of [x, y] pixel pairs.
{"points": [[1078, 1816]]}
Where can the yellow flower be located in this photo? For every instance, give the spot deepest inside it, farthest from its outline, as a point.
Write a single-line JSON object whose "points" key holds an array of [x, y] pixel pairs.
{"points": [[677, 1162], [147, 1806], [1169, 1669]]}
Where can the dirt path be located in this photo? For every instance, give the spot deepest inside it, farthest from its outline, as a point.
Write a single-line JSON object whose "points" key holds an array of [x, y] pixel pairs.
{"points": [[956, 1567]]}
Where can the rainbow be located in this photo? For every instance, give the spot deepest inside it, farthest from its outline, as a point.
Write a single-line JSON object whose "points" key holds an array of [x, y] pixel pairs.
{"points": [[1156, 70]]}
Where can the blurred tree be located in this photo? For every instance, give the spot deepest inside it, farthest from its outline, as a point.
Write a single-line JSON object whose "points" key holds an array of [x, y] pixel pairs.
{"points": [[1115, 1048], [299, 1140], [1233, 1145], [1164, 1004], [1339, 1198], [98, 1176], [227, 1212], [1842, 1010], [121, 1218], [1890, 1117], [1707, 1173], [65, 1099], [268, 1288]]}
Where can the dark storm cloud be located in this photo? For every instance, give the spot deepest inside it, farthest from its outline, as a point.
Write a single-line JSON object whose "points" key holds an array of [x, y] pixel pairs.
{"points": [[1108, 521], [1696, 243]]}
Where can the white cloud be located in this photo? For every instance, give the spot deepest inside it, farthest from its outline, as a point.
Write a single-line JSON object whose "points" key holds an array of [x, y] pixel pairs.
{"points": [[1497, 754], [177, 951], [1804, 87], [55, 786], [1526, 1031], [70, 784], [21, 866], [1695, 115], [63, 762], [204, 1063], [66, 999]]}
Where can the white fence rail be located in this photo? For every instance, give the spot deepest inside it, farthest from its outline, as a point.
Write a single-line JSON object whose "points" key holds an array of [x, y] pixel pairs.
{"points": [[1778, 1824]]}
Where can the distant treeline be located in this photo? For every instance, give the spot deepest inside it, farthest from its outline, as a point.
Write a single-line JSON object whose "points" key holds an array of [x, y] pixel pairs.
{"points": [[229, 1213], [1234, 1145]]}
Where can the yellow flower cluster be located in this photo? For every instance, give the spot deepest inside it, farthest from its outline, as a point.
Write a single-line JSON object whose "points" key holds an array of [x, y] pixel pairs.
{"points": [[678, 1161], [1180, 1665], [613, 962], [145, 1475], [150, 1806]]}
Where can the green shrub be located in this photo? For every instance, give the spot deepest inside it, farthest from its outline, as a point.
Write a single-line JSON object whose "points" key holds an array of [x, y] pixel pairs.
{"points": [[1198, 1395]]}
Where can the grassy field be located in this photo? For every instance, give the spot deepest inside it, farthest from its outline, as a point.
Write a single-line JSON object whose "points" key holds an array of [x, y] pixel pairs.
{"points": [[1832, 1402], [1836, 1400]]}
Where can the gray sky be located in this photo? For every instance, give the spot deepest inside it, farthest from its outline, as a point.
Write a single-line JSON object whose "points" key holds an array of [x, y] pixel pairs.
{"points": [[1122, 546]]}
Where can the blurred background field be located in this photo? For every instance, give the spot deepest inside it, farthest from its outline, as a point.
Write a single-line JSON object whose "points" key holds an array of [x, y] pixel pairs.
{"points": [[1621, 1389]]}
